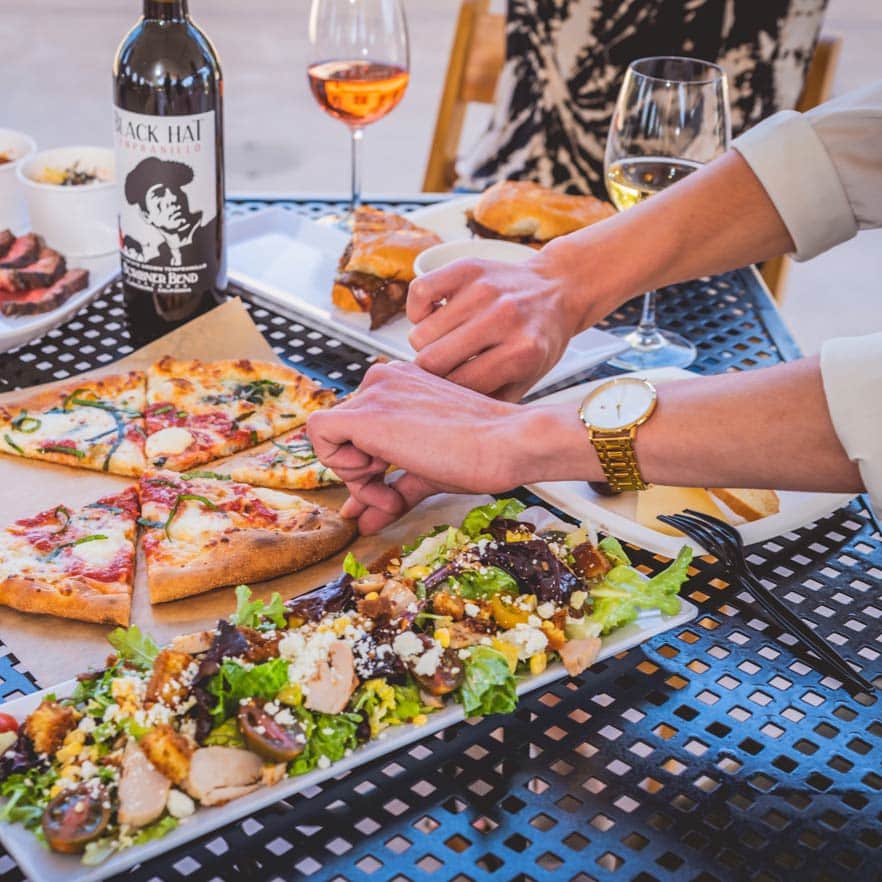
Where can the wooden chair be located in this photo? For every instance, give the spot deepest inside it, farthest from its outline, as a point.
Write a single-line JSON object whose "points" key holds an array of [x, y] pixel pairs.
{"points": [[476, 60], [818, 83]]}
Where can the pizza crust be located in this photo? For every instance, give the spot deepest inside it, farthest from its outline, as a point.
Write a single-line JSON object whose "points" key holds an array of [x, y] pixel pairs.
{"points": [[248, 555], [73, 598]]}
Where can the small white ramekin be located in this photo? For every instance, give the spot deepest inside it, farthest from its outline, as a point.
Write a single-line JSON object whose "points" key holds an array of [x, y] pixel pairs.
{"points": [[79, 221], [486, 249], [13, 213]]}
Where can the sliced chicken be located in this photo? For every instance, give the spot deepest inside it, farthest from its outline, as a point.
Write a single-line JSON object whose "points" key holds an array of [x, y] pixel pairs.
{"points": [[219, 774], [462, 634], [334, 680], [400, 597], [577, 655], [143, 789], [198, 641]]}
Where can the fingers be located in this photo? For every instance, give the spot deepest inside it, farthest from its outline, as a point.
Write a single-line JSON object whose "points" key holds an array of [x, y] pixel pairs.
{"points": [[490, 371], [427, 291], [441, 356], [408, 489]]}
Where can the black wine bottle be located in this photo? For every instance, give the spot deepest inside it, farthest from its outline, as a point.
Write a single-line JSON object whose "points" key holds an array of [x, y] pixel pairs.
{"points": [[168, 129]]}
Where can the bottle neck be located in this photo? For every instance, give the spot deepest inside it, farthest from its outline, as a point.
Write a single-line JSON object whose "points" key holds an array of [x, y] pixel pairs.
{"points": [[165, 10]]}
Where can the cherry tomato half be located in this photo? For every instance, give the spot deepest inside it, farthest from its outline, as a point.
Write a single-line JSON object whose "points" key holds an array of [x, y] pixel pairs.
{"points": [[8, 723]]}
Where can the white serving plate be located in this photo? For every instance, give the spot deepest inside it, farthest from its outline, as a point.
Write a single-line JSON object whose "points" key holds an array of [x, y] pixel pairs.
{"points": [[16, 331], [289, 263], [41, 865], [616, 514]]}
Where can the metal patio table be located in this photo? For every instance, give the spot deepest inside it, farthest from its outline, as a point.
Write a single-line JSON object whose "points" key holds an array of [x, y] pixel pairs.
{"points": [[712, 752]]}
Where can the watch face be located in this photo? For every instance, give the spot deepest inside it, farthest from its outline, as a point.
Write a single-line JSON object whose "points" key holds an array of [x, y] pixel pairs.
{"points": [[618, 403]]}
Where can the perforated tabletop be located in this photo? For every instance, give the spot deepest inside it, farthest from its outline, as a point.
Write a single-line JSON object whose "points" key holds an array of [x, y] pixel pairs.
{"points": [[713, 753]]}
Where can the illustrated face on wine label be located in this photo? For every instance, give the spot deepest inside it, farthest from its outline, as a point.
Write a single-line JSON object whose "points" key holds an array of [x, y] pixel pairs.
{"points": [[167, 168]]}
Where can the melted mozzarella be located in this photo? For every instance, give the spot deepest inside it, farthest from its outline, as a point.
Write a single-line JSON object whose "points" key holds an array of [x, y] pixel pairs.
{"points": [[278, 500], [193, 521], [73, 425], [100, 552], [167, 442]]}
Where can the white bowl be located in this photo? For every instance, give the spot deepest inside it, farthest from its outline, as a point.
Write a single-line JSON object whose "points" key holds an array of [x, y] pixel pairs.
{"points": [[13, 213], [79, 221], [485, 249]]}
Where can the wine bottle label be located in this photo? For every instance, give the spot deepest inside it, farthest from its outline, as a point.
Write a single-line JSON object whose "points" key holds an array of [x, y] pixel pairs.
{"points": [[167, 170]]}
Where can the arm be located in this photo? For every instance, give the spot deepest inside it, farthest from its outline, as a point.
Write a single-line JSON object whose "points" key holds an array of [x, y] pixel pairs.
{"points": [[767, 428]]}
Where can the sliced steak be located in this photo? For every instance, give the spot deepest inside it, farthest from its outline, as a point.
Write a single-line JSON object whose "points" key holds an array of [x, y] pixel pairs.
{"points": [[6, 240], [46, 269], [22, 252], [43, 299]]}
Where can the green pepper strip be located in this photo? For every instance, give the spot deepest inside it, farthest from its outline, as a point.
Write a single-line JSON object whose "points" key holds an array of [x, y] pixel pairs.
{"points": [[19, 423], [244, 416], [12, 444], [102, 405], [253, 437], [114, 509], [174, 511], [188, 476], [58, 548], [299, 451], [164, 409], [59, 511], [160, 482], [59, 448]]}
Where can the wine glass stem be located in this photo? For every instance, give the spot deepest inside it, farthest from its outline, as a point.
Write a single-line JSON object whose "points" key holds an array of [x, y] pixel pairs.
{"points": [[647, 330], [355, 200]]}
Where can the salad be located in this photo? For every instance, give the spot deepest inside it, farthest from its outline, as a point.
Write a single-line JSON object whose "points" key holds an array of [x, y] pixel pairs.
{"points": [[285, 687]]}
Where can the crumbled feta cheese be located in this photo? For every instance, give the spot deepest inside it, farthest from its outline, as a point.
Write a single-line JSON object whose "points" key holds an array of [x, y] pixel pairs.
{"points": [[546, 610], [534, 621], [407, 645], [528, 640], [87, 724], [179, 805], [578, 598], [306, 650], [323, 762], [472, 609], [429, 660]]}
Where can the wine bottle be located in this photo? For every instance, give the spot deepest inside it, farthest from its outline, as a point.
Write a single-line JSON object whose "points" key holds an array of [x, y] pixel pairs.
{"points": [[168, 131]]}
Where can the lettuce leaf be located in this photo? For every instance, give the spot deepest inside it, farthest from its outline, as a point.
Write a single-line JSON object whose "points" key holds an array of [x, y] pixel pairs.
{"points": [[27, 795], [251, 613], [612, 548], [133, 646], [623, 591], [354, 567], [478, 519], [234, 682], [489, 686], [386, 705], [100, 850], [227, 734], [328, 735], [484, 582]]}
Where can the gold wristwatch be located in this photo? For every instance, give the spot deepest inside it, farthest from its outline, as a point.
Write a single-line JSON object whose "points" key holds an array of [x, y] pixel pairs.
{"points": [[611, 413]]}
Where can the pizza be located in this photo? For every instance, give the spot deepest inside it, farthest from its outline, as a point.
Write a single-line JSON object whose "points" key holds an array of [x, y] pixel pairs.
{"points": [[96, 424], [204, 530], [199, 411], [77, 563], [286, 463]]}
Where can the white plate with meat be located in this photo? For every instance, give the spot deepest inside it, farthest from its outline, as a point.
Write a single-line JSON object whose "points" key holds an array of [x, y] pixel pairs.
{"points": [[40, 289], [289, 263]]}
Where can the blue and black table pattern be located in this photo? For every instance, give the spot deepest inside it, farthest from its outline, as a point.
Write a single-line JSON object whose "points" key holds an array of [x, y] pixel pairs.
{"points": [[712, 753]]}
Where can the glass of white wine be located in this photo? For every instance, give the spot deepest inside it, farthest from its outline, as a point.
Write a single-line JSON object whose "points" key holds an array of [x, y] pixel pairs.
{"points": [[671, 117]]}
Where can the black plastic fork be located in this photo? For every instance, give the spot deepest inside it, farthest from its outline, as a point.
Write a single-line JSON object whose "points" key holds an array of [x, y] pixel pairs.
{"points": [[724, 542]]}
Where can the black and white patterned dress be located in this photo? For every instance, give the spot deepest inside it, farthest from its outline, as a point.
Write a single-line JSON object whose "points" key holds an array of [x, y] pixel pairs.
{"points": [[566, 59]]}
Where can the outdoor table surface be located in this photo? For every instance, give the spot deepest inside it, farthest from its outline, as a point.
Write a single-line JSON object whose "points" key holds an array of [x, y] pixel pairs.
{"points": [[713, 752]]}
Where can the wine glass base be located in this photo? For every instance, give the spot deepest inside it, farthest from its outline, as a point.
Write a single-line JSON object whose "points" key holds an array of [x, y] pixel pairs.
{"points": [[342, 220], [666, 349]]}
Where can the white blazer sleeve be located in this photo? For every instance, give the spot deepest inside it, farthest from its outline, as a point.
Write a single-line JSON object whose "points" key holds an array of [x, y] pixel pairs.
{"points": [[851, 368], [822, 169]]}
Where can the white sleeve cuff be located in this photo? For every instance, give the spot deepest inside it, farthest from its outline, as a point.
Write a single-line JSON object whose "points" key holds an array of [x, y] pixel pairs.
{"points": [[793, 166], [851, 368]]}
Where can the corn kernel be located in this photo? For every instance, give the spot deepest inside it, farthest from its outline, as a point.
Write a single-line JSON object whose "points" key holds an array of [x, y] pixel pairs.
{"points": [[442, 635], [509, 650], [578, 598], [371, 595], [538, 663], [420, 720], [71, 771], [73, 744], [418, 571], [340, 626], [55, 789], [529, 601]]}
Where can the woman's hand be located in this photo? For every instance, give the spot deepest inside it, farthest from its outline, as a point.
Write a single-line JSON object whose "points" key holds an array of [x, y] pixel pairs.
{"points": [[501, 326], [443, 437]]}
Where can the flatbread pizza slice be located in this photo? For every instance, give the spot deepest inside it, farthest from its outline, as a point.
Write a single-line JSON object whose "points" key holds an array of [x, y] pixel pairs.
{"points": [[77, 563], [285, 463], [200, 411], [95, 424], [204, 530]]}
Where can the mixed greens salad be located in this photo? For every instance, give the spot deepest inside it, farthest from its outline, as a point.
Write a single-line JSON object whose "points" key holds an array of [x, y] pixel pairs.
{"points": [[285, 687]]}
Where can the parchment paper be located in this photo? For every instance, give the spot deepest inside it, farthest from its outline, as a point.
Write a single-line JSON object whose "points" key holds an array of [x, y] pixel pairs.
{"points": [[55, 649]]}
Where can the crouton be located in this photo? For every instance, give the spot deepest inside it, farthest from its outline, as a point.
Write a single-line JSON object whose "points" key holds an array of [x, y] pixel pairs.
{"points": [[165, 684], [169, 751], [444, 604], [48, 725]]}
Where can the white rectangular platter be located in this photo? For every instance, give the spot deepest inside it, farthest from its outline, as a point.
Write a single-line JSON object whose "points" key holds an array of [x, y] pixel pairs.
{"points": [[18, 330], [616, 515], [288, 263], [41, 865]]}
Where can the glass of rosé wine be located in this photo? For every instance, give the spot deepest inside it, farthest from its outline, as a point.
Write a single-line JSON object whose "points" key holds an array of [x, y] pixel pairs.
{"points": [[358, 69]]}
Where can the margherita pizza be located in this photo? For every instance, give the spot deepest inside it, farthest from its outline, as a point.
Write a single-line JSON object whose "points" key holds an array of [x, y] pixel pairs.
{"points": [[95, 425], [199, 411], [204, 530], [286, 463], [74, 563]]}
